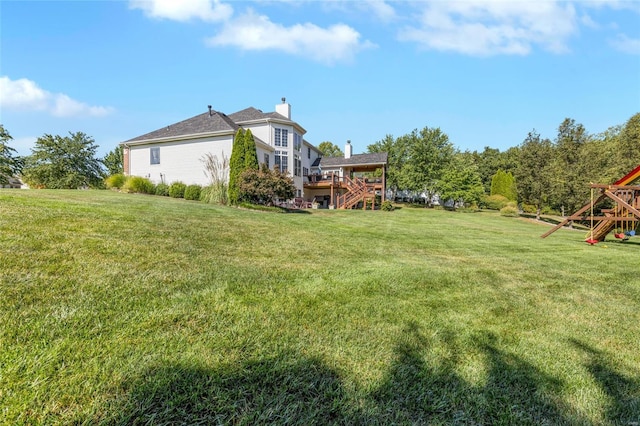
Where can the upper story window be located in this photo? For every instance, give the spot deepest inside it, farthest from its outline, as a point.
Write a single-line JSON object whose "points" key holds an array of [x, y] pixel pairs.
{"points": [[155, 155], [297, 142], [308, 152], [281, 137]]}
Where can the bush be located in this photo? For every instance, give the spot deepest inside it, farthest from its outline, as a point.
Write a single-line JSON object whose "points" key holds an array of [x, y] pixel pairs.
{"points": [[138, 185], [176, 190], [214, 194], [115, 181], [529, 208], [192, 192], [162, 189], [387, 206], [510, 210], [494, 202]]}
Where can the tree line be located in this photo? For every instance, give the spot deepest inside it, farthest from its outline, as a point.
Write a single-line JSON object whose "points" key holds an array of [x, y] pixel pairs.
{"points": [[540, 174]]}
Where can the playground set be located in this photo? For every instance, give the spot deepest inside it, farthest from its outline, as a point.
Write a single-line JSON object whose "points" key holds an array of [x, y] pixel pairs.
{"points": [[623, 218]]}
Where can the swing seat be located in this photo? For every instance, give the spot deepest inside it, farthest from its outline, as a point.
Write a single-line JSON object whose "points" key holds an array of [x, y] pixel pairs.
{"points": [[591, 241], [619, 235], [631, 233]]}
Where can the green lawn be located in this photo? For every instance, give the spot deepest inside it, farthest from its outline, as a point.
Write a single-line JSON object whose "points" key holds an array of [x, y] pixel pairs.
{"points": [[131, 309]]}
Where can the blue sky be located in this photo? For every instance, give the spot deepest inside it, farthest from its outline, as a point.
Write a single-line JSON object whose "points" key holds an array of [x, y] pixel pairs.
{"points": [[486, 72]]}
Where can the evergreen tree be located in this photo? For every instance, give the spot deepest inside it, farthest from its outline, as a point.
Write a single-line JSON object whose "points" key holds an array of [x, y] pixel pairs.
{"points": [[10, 164], [236, 167], [250, 152], [503, 183]]}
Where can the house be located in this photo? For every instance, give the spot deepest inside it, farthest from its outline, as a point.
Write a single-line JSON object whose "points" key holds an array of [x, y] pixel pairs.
{"points": [[346, 182], [175, 153]]}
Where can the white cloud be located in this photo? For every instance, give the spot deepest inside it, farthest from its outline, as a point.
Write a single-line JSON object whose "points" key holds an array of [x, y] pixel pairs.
{"points": [[627, 44], [381, 9], [250, 31], [24, 94], [184, 10], [486, 27]]}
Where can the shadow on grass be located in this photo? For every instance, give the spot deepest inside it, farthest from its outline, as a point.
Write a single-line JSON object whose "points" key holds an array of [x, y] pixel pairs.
{"points": [[293, 389], [623, 392]]}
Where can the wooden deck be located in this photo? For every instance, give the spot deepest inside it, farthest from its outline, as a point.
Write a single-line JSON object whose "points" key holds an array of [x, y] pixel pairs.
{"points": [[345, 192]]}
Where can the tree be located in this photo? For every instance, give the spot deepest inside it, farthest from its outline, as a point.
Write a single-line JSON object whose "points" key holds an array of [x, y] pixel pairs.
{"points": [[250, 153], [236, 167], [629, 146], [503, 183], [328, 149], [264, 186], [489, 161], [63, 162], [429, 154], [461, 182], [570, 190], [535, 171], [10, 164], [113, 161], [396, 150]]}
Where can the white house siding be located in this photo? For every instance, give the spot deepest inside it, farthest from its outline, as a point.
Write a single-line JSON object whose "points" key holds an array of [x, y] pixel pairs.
{"points": [[178, 160], [261, 131]]}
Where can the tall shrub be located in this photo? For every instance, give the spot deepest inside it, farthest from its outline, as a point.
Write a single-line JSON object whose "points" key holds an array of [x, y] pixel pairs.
{"points": [[236, 166], [250, 153], [503, 183]]}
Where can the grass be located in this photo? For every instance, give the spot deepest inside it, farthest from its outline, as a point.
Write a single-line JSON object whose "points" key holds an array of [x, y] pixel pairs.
{"points": [[132, 309]]}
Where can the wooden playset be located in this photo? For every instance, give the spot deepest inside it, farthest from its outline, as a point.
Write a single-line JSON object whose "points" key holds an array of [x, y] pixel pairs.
{"points": [[623, 218]]}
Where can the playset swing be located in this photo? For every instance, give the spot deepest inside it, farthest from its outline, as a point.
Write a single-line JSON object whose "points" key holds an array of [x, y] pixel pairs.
{"points": [[623, 219]]}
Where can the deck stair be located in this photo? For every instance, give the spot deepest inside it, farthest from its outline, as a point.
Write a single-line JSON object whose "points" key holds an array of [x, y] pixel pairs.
{"points": [[357, 190]]}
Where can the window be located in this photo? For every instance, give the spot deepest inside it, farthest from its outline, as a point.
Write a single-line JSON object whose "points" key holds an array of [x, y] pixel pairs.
{"points": [[282, 160], [297, 163], [155, 155], [266, 160], [297, 142], [305, 171], [298, 193], [308, 152], [281, 137]]}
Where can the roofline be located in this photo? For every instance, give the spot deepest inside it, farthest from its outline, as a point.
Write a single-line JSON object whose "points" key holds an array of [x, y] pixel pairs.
{"points": [[354, 164], [263, 144], [178, 138], [275, 120]]}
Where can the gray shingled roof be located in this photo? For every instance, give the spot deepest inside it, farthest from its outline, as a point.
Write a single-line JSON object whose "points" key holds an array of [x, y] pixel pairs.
{"points": [[251, 113], [203, 123], [357, 159]]}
